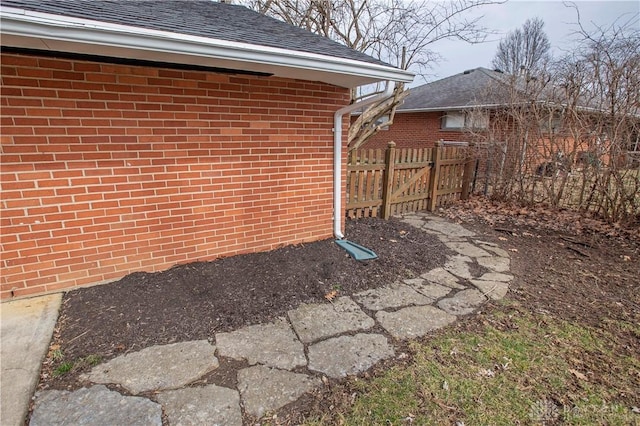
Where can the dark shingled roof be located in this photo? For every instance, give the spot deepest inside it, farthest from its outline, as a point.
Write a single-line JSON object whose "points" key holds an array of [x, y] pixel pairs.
{"points": [[203, 18], [479, 86]]}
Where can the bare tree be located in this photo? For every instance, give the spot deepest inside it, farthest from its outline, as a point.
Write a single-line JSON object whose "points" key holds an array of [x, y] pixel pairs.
{"points": [[398, 32], [569, 137], [526, 48]]}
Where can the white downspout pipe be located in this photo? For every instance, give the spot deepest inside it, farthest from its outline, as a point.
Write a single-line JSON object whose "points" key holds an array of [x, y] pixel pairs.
{"points": [[337, 152]]}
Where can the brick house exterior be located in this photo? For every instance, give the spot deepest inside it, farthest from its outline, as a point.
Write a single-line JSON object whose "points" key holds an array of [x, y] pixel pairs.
{"points": [[109, 168], [414, 130]]}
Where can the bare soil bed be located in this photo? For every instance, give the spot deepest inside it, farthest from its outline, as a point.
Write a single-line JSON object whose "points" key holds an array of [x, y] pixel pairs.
{"points": [[565, 267], [194, 301]]}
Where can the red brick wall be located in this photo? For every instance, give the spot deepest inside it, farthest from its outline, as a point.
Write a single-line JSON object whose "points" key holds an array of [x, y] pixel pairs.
{"points": [[109, 169], [414, 130]]}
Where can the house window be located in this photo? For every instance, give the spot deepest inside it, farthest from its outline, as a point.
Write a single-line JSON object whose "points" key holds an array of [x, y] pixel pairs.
{"points": [[459, 120], [381, 121]]}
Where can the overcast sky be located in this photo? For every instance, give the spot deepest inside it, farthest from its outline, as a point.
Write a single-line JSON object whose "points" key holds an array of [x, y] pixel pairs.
{"points": [[560, 22]]}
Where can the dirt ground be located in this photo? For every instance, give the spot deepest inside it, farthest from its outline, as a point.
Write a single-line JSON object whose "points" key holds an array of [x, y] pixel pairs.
{"points": [[196, 300], [565, 266]]}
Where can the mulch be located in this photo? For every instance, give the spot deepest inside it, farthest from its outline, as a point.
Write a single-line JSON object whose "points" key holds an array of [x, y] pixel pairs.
{"points": [[196, 300]]}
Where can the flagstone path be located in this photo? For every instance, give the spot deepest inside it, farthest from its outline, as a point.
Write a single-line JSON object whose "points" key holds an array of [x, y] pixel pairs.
{"points": [[289, 356]]}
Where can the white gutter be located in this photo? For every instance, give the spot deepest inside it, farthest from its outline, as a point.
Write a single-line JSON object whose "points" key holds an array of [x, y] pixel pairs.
{"points": [[27, 29], [337, 153]]}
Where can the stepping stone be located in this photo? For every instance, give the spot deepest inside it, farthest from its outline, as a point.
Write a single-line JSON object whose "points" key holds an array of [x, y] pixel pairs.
{"points": [[394, 296], [496, 276], [414, 321], [458, 265], [274, 344], [209, 405], [96, 405], [264, 389], [415, 222], [467, 249], [344, 355], [462, 303], [432, 291], [448, 228], [317, 321], [442, 277], [450, 238], [496, 264], [157, 367], [495, 290], [497, 251]]}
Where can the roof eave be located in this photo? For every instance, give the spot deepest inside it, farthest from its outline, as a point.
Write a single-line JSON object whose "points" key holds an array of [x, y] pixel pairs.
{"points": [[449, 108], [33, 30]]}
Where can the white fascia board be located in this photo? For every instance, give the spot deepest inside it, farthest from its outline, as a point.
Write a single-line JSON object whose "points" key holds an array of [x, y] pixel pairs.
{"points": [[451, 108], [83, 36]]}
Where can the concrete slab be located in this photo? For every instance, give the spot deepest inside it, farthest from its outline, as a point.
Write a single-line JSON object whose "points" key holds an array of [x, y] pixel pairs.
{"points": [[467, 249], [26, 327], [496, 276], [264, 389], [344, 355], [430, 290], [157, 367], [458, 265], [208, 405], [317, 321], [495, 290], [448, 228], [94, 406], [462, 303], [443, 277], [413, 322], [494, 249], [495, 264], [394, 296], [274, 344], [416, 222]]}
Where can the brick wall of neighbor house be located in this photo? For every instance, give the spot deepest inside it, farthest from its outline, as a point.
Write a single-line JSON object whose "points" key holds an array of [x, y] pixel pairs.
{"points": [[414, 130], [109, 169]]}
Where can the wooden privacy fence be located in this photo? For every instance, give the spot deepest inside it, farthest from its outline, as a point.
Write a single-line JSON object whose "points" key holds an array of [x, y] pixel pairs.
{"points": [[394, 181]]}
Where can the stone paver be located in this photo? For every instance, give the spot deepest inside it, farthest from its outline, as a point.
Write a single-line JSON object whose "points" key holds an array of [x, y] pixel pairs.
{"points": [[443, 277], [432, 291], [264, 389], [458, 265], [317, 321], [462, 303], [496, 264], [273, 344], [495, 290], [344, 355], [208, 405], [413, 321], [279, 347], [448, 228], [467, 249], [94, 406], [158, 367], [394, 296]]}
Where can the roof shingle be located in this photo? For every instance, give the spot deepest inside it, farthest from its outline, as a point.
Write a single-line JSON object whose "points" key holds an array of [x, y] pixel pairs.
{"points": [[203, 18]]}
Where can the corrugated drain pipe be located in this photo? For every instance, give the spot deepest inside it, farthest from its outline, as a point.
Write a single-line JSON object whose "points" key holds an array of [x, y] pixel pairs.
{"points": [[337, 152]]}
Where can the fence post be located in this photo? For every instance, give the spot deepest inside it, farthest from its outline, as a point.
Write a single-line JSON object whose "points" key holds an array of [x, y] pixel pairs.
{"points": [[468, 171], [435, 175], [390, 160]]}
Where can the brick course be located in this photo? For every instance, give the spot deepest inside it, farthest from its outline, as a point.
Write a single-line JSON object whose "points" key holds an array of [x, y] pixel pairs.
{"points": [[109, 169]]}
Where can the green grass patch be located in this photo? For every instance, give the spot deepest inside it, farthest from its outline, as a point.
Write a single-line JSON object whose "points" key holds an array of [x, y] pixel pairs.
{"points": [[535, 370], [63, 369]]}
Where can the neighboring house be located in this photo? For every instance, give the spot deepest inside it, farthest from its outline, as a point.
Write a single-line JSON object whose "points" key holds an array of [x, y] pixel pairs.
{"points": [[443, 109], [138, 135]]}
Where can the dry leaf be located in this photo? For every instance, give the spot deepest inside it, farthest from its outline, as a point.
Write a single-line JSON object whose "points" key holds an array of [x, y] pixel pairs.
{"points": [[502, 238], [331, 295], [394, 241], [626, 258], [515, 250], [578, 374]]}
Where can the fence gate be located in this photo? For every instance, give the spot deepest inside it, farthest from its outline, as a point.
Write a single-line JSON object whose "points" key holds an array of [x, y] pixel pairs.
{"points": [[395, 181]]}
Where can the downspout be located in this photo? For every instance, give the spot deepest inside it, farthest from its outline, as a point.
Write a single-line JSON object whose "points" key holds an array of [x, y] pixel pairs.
{"points": [[337, 152]]}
